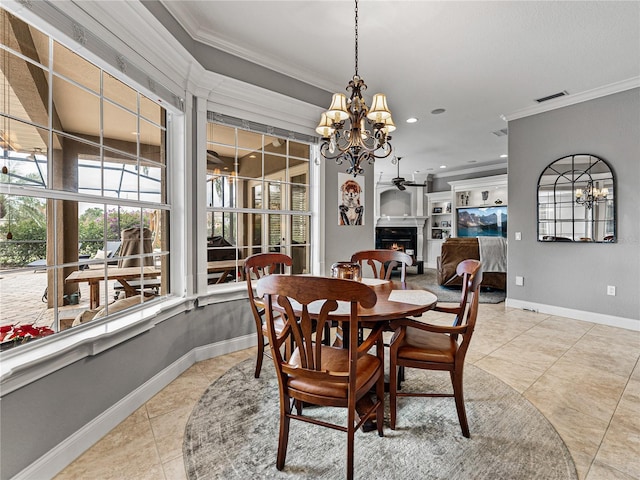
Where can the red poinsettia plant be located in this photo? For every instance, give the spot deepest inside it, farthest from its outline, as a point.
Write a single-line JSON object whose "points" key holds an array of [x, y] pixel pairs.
{"points": [[22, 333]]}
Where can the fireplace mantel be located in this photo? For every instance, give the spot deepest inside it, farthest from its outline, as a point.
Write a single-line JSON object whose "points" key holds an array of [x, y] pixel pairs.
{"points": [[404, 221], [395, 208]]}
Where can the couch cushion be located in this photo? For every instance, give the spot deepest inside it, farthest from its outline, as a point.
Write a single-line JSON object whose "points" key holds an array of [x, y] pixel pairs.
{"points": [[114, 307]]}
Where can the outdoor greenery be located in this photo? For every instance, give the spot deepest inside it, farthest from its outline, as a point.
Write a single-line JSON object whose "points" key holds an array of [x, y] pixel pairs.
{"points": [[25, 219]]}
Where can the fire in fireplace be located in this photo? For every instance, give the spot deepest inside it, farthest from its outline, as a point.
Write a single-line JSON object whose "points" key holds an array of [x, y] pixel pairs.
{"points": [[404, 239]]}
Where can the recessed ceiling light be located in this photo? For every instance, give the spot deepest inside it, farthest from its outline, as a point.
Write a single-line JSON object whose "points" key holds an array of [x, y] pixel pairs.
{"points": [[252, 156], [416, 171], [504, 156], [429, 169], [443, 166], [472, 161], [412, 120], [438, 111]]}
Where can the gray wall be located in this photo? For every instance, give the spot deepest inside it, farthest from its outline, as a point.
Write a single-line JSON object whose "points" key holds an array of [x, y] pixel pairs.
{"points": [[342, 241], [39, 416], [576, 275]]}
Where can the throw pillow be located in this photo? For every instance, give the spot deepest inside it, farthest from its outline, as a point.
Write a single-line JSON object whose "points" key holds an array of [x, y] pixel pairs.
{"points": [[100, 254]]}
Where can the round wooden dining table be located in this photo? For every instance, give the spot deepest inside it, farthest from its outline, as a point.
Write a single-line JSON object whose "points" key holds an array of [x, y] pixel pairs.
{"points": [[395, 300]]}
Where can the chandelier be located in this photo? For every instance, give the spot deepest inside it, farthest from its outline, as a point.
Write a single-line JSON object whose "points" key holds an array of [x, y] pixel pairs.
{"points": [[366, 135], [589, 195]]}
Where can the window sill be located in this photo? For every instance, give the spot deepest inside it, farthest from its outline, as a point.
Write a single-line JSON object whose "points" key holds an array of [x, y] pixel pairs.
{"points": [[223, 293], [23, 365]]}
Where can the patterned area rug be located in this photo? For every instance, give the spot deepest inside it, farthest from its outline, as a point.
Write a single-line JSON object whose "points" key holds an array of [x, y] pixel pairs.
{"points": [[429, 281], [233, 434]]}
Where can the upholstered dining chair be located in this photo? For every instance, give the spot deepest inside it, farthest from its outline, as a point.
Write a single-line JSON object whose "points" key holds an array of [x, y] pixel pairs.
{"points": [[433, 347], [316, 373], [382, 262], [256, 267]]}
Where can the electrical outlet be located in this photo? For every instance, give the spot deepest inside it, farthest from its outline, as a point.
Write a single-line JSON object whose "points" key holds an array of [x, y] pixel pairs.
{"points": [[518, 236], [520, 281], [611, 290]]}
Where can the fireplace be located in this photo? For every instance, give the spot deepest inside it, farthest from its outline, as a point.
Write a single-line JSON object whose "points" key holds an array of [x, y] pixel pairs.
{"points": [[404, 239]]}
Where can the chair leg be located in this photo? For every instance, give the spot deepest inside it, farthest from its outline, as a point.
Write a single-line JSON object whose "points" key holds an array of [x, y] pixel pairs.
{"points": [[260, 356], [458, 395], [283, 439], [350, 443], [393, 389], [380, 409]]}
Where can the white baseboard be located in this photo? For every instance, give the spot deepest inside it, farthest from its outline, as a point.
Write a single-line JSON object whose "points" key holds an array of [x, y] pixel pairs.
{"points": [[600, 318], [56, 459]]}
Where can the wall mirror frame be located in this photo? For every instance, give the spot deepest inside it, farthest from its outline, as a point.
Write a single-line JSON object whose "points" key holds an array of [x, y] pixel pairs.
{"points": [[576, 200]]}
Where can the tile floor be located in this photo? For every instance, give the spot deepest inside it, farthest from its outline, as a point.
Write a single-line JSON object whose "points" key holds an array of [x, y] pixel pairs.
{"points": [[583, 377]]}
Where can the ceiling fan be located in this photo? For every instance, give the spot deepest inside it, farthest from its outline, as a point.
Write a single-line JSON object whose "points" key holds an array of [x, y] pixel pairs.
{"points": [[399, 181], [213, 157]]}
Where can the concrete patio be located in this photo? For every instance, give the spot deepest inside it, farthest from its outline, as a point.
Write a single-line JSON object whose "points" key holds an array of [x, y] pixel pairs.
{"points": [[21, 292]]}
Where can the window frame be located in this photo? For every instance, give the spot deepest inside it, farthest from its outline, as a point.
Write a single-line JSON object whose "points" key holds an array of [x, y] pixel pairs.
{"points": [[283, 178], [34, 360]]}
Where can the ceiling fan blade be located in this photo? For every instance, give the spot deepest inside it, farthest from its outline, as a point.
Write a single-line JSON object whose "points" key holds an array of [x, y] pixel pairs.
{"points": [[413, 184], [212, 157]]}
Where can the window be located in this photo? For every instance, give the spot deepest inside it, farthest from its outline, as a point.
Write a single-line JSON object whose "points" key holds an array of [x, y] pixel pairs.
{"points": [[257, 196], [84, 213]]}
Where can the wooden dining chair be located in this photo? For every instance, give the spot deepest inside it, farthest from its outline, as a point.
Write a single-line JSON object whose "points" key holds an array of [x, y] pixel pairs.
{"points": [[382, 262], [316, 373], [432, 347], [256, 267]]}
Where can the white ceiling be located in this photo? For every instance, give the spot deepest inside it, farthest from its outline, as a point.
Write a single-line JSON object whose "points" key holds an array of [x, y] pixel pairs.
{"points": [[478, 60]]}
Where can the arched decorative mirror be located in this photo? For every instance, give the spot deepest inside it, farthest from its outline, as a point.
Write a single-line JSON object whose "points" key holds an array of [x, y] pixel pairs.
{"points": [[576, 201]]}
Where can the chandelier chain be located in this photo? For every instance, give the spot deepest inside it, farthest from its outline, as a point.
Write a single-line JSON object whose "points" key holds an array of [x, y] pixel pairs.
{"points": [[356, 23]]}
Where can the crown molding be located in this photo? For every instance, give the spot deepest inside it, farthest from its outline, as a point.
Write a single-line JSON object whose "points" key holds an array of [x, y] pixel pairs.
{"points": [[264, 59], [572, 99]]}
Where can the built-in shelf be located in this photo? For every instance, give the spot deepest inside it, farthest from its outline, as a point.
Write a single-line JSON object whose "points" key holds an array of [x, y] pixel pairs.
{"points": [[439, 225], [481, 193]]}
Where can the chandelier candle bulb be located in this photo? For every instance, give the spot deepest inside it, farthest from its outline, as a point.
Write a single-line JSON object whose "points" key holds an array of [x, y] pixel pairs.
{"points": [[338, 109], [324, 128], [379, 110], [389, 126]]}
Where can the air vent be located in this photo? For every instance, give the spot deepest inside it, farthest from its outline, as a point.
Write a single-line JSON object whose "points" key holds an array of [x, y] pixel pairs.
{"points": [[501, 133], [551, 97]]}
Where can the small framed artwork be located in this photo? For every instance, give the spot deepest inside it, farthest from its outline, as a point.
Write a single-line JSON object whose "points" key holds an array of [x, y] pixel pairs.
{"points": [[437, 209], [350, 200], [444, 224]]}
